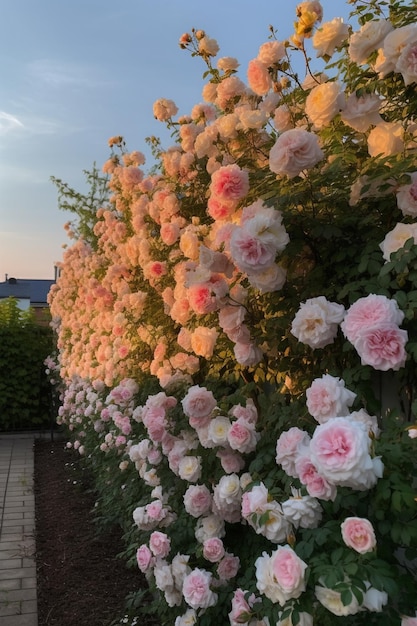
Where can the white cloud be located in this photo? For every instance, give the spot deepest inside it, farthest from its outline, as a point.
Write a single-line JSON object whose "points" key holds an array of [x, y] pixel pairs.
{"points": [[9, 123], [60, 74]]}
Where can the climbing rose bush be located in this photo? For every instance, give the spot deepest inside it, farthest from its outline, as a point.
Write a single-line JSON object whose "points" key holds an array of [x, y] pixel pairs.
{"points": [[237, 343]]}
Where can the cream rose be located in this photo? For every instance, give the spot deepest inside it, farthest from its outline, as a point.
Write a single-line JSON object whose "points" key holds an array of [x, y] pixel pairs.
{"points": [[323, 103], [330, 36]]}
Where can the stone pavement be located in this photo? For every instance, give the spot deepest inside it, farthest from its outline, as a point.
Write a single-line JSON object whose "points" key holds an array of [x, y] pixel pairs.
{"points": [[18, 603]]}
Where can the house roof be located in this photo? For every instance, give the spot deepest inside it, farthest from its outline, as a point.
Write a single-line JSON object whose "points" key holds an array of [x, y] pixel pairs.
{"points": [[35, 290]]}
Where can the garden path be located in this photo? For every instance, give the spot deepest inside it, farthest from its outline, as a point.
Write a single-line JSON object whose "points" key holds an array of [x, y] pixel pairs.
{"points": [[18, 599]]}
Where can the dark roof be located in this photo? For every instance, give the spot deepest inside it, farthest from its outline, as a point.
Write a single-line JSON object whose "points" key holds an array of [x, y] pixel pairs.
{"points": [[35, 290]]}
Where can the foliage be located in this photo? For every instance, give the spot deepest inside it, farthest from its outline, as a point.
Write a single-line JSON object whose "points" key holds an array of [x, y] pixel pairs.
{"points": [[83, 205], [24, 388], [243, 328]]}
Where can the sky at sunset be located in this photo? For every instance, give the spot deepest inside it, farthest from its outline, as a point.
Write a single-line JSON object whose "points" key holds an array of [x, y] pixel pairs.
{"points": [[75, 73]]}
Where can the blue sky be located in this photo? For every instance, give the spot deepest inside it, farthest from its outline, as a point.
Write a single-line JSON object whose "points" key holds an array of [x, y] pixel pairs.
{"points": [[75, 73]]}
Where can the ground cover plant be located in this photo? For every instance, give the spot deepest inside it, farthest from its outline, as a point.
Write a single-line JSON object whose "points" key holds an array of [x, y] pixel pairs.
{"points": [[237, 333]]}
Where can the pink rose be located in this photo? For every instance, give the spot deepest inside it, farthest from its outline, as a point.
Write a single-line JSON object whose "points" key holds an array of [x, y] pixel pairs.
{"points": [[228, 567], [358, 533], [294, 151], [407, 197], [197, 500], [288, 447], [409, 621], [144, 558], [231, 316], [382, 347], [169, 233], [231, 462], [241, 607], [247, 353], [242, 436], [220, 209], [201, 298], [155, 510], [372, 310], [340, 452], [213, 549], [289, 570], [327, 397], [196, 589], [250, 253], [280, 577], [271, 52], [230, 183], [248, 412], [317, 486], [259, 79], [159, 544], [199, 402], [254, 501]]}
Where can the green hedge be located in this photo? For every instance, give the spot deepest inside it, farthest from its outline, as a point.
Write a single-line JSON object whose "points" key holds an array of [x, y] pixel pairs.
{"points": [[24, 388]]}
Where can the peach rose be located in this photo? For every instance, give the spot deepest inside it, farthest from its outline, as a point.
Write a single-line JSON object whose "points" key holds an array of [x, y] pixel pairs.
{"points": [[358, 533]]}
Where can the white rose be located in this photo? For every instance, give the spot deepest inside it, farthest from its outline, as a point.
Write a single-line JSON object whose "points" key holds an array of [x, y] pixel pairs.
{"points": [[330, 36], [188, 619], [218, 429], [397, 40], [323, 103], [332, 601], [282, 119], [374, 600], [228, 490], [407, 197], [270, 279], [305, 619], [163, 575], [368, 39], [208, 46], [406, 64], [208, 527], [180, 568], [189, 468], [303, 511], [316, 322], [386, 139], [277, 528], [362, 112], [396, 238]]}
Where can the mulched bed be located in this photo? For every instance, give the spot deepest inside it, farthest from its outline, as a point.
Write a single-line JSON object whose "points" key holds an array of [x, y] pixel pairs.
{"points": [[81, 582]]}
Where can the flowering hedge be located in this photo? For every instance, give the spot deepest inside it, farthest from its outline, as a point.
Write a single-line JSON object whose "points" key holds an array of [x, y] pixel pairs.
{"points": [[238, 341]]}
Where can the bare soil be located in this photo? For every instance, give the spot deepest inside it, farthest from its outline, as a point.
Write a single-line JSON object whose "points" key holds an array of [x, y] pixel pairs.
{"points": [[81, 582]]}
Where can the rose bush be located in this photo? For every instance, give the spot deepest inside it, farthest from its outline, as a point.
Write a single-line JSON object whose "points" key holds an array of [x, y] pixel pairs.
{"points": [[237, 341]]}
